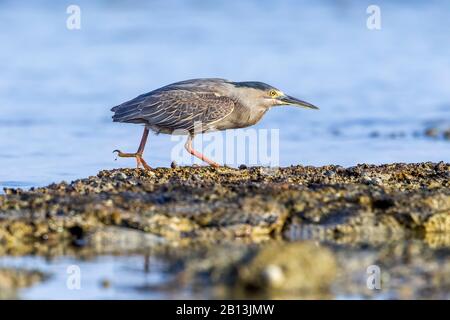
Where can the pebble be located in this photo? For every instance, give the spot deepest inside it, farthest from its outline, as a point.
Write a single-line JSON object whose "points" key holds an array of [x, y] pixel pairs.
{"points": [[432, 132], [120, 176], [273, 275], [447, 134], [330, 173]]}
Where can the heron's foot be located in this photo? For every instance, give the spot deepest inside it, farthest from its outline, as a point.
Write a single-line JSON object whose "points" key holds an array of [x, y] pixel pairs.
{"points": [[212, 163], [139, 159]]}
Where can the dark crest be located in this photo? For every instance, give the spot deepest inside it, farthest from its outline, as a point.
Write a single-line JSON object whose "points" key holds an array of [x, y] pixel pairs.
{"points": [[252, 84]]}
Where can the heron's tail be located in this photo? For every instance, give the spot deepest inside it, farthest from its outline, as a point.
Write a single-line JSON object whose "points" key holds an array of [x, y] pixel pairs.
{"points": [[127, 112]]}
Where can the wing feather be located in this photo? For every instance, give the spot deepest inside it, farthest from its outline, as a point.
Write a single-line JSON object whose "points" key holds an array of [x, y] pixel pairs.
{"points": [[174, 107]]}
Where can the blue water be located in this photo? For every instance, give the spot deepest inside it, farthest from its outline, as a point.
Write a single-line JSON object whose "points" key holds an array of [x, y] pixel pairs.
{"points": [[125, 276], [57, 85]]}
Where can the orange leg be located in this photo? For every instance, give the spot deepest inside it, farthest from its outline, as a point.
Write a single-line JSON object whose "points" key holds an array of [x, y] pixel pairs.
{"points": [[138, 155], [189, 149]]}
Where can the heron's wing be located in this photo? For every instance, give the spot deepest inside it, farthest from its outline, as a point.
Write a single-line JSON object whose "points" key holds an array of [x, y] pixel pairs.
{"points": [[176, 109], [185, 110]]}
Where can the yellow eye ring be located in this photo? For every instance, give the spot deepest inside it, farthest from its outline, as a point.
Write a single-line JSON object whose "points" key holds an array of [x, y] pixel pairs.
{"points": [[273, 93]]}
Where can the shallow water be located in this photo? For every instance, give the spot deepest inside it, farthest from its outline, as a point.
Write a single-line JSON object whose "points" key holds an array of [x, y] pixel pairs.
{"points": [[410, 269], [378, 90], [104, 277]]}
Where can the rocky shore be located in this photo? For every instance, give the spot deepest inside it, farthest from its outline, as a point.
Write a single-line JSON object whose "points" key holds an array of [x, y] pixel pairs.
{"points": [[280, 232]]}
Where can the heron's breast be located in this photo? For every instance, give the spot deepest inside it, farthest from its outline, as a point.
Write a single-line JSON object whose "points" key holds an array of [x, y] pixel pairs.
{"points": [[248, 118], [254, 116], [241, 117]]}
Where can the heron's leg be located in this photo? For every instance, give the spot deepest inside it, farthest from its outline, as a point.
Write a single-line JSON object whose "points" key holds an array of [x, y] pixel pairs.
{"points": [[191, 150], [138, 155]]}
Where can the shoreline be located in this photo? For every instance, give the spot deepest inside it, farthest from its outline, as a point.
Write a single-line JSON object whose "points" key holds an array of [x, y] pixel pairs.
{"points": [[204, 202]]}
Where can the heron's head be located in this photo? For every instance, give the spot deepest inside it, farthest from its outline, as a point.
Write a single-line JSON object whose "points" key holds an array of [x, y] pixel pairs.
{"points": [[262, 94]]}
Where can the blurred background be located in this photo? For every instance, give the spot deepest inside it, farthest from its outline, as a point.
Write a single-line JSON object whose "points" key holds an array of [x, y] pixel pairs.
{"points": [[384, 94]]}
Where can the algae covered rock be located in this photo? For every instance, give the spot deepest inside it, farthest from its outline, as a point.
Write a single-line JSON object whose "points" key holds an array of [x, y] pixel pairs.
{"points": [[248, 232], [292, 268], [12, 280], [365, 202]]}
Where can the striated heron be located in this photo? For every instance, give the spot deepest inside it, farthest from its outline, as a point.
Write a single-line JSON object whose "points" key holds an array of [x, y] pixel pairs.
{"points": [[200, 105]]}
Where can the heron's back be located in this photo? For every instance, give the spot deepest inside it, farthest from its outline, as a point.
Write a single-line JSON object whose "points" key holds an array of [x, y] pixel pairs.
{"points": [[179, 106]]}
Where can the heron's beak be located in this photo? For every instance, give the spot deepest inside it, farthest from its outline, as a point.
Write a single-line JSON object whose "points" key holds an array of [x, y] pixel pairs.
{"points": [[294, 101]]}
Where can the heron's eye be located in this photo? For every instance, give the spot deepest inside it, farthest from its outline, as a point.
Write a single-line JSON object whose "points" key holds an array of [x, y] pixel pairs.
{"points": [[273, 93]]}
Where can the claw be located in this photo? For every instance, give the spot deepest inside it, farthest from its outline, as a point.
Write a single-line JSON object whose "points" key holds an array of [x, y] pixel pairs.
{"points": [[137, 155], [119, 154]]}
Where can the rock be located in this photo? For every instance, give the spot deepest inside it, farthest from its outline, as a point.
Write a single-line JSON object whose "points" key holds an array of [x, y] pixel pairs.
{"points": [[116, 240], [438, 132], [367, 179], [273, 276], [203, 202], [432, 132], [246, 233], [447, 134], [105, 283], [12, 280], [329, 173], [290, 268], [120, 176]]}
